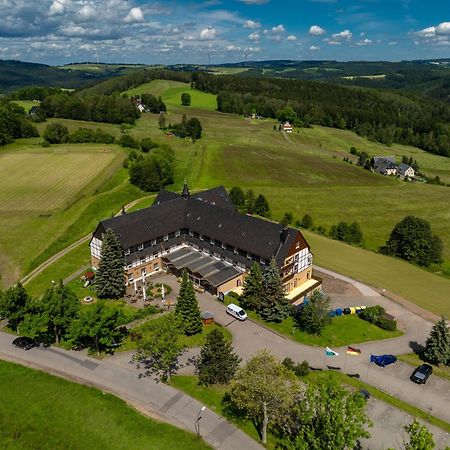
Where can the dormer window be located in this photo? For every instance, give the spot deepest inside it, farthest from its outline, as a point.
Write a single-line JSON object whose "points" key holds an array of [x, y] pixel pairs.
{"points": [[201, 237], [249, 256], [141, 247], [191, 233], [211, 241], [127, 251], [153, 242], [224, 246], [177, 233], [166, 238], [236, 250]]}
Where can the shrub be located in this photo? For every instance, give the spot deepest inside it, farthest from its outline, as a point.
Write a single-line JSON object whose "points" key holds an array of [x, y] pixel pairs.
{"points": [[234, 295], [386, 324], [300, 369], [127, 141], [56, 133], [372, 313]]}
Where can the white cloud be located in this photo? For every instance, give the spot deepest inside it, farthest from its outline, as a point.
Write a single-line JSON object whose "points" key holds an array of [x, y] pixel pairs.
{"points": [[291, 37], [57, 7], [254, 37], [87, 12], [392, 43], [443, 28], [251, 24], [315, 30], [314, 48], [343, 35], [278, 29], [135, 15], [208, 34], [331, 42], [426, 32], [233, 48], [364, 42]]}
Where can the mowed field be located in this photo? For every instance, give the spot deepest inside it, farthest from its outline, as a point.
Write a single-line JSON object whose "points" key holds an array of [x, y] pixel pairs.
{"points": [[46, 196], [45, 180]]}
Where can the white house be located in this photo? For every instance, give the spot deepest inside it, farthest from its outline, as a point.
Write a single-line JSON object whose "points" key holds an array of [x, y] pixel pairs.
{"points": [[384, 165], [140, 107], [287, 127], [405, 171]]}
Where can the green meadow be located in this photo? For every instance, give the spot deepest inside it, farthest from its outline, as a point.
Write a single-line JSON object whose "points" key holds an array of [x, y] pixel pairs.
{"points": [[303, 172], [42, 411]]}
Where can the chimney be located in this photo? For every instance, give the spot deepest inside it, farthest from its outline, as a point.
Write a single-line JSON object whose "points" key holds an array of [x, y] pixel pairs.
{"points": [[284, 234]]}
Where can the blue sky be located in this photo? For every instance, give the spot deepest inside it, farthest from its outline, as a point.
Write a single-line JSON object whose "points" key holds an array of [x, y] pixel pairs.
{"points": [[189, 31]]}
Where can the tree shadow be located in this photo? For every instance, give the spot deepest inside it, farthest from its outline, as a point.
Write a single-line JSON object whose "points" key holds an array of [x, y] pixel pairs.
{"points": [[417, 348], [333, 367]]}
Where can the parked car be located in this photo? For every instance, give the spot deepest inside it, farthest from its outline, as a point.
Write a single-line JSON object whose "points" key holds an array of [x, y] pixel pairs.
{"points": [[383, 360], [421, 374], [364, 393], [236, 311], [24, 342]]}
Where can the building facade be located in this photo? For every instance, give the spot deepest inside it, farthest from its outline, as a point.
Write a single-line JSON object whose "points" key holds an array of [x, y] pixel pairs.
{"points": [[205, 236]]}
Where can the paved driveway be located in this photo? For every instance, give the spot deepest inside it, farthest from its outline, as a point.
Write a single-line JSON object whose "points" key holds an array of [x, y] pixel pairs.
{"points": [[249, 337]]}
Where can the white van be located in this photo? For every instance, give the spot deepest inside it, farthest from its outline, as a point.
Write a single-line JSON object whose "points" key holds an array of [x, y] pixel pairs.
{"points": [[236, 311]]}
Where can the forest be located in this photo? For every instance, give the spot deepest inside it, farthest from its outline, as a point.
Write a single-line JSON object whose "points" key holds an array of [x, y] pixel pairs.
{"points": [[380, 116], [14, 123]]}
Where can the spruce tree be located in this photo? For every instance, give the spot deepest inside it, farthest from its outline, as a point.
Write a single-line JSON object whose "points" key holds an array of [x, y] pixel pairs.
{"points": [[110, 277], [437, 347], [187, 308], [274, 306], [218, 362], [262, 206], [252, 290]]}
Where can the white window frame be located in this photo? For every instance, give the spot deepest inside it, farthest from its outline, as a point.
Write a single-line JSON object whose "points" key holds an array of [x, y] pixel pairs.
{"points": [[153, 242], [166, 238], [127, 252], [141, 247], [177, 233]]}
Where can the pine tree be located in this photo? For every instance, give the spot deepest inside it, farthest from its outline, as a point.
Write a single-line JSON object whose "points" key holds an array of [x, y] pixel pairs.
{"points": [[437, 347], [187, 308], [218, 362], [252, 290], [238, 198], [274, 305], [110, 277], [261, 206]]}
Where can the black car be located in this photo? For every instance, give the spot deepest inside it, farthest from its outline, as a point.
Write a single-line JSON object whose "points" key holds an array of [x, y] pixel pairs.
{"points": [[364, 393], [24, 342], [421, 374]]}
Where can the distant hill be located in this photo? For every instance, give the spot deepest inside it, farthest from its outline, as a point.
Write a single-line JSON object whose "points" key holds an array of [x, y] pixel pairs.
{"points": [[426, 77], [17, 74]]}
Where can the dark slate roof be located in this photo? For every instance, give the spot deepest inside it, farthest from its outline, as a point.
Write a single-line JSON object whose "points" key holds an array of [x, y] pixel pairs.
{"points": [[202, 214], [402, 168], [222, 276]]}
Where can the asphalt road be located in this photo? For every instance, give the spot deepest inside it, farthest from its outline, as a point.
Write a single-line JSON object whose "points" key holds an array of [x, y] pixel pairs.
{"points": [[152, 398]]}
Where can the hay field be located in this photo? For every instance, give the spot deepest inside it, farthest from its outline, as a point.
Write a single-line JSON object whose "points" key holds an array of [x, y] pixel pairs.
{"points": [[47, 180]]}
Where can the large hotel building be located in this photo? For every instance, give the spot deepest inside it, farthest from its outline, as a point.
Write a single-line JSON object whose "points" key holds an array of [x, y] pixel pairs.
{"points": [[204, 235]]}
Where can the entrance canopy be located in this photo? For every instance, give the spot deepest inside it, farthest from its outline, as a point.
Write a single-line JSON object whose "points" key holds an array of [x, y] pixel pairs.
{"points": [[204, 267]]}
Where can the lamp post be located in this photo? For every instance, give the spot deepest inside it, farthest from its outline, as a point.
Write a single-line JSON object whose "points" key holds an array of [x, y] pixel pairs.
{"points": [[197, 421]]}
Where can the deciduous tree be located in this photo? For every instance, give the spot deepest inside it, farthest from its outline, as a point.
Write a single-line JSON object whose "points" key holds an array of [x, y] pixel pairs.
{"points": [[218, 362], [14, 305], [187, 308], [261, 206], [313, 316], [307, 221], [159, 344], [97, 327], [326, 417], [412, 240], [185, 99], [263, 388], [419, 438], [238, 198], [110, 276]]}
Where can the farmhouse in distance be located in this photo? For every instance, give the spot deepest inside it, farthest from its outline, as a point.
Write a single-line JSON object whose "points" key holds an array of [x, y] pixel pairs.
{"points": [[205, 236]]}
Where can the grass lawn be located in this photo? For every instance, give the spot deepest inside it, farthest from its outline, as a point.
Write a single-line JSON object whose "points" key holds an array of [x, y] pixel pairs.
{"points": [[414, 360], [344, 330], [41, 411], [70, 263], [26, 104], [427, 290], [211, 397]]}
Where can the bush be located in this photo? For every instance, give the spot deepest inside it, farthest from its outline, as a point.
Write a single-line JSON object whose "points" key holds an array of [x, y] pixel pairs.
{"points": [[127, 141], [372, 313], [386, 324], [300, 369], [56, 133], [234, 295]]}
